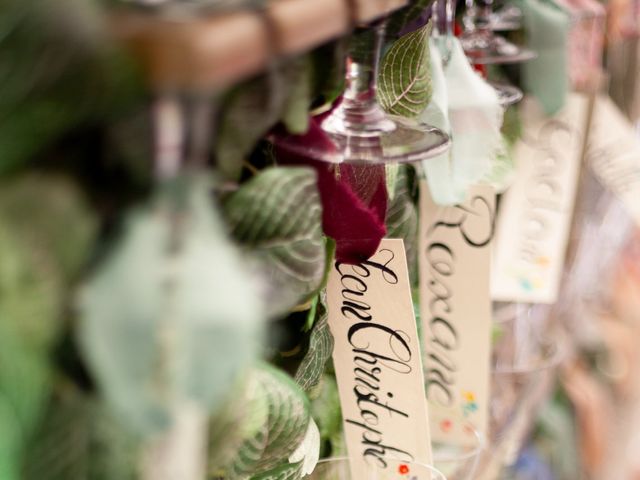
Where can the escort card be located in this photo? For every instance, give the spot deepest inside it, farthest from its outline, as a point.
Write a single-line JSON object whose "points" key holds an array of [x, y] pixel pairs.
{"points": [[535, 214], [455, 309], [377, 362], [613, 153]]}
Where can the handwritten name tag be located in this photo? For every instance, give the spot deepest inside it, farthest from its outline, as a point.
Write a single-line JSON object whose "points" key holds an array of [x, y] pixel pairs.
{"points": [[455, 309], [613, 153], [535, 213], [377, 361]]}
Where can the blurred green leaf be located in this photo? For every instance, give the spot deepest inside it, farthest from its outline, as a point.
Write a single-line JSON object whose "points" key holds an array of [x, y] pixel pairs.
{"points": [[320, 348], [254, 107], [404, 81], [276, 216], [59, 69], [78, 440], [402, 217], [49, 214], [171, 316], [401, 19], [296, 105], [325, 408], [45, 234], [286, 471]]}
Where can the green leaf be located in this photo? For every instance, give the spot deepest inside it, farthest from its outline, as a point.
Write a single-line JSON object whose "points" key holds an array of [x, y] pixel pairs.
{"points": [[403, 17], [254, 107], [286, 471], [276, 216], [325, 408], [320, 348], [296, 105], [60, 69], [63, 231], [286, 426], [308, 452], [404, 82], [80, 439], [402, 217], [39, 247], [171, 315], [328, 70]]}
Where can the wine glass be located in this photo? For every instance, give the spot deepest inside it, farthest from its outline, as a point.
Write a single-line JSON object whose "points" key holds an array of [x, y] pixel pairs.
{"points": [[523, 371], [459, 461], [481, 44], [443, 15], [359, 130], [484, 47], [506, 18], [337, 468]]}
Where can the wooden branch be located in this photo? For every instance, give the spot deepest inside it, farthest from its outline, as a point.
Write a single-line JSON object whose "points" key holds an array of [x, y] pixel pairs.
{"points": [[209, 53]]}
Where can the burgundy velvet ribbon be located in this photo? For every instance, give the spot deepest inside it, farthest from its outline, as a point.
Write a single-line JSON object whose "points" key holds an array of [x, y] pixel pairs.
{"points": [[354, 197]]}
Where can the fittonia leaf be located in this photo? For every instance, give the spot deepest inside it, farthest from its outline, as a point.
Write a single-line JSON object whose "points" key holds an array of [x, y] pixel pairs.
{"points": [[404, 83], [277, 216]]}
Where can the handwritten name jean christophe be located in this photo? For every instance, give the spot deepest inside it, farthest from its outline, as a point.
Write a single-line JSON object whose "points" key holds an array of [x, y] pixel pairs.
{"points": [[380, 353]]}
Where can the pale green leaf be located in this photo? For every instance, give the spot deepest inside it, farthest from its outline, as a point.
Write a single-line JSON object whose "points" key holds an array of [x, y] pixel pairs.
{"points": [[320, 348], [404, 82], [277, 217], [171, 315]]}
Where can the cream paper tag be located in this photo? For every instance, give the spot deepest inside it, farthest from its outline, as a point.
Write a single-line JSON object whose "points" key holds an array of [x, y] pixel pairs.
{"points": [[613, 153], [376, 357], [534, 218], [455, 310]]}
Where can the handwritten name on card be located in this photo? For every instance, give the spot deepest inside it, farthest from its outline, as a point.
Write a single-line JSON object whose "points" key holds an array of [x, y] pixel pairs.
{"points": [[613, 153], [455, 309], [535, 214], [377, 361]]}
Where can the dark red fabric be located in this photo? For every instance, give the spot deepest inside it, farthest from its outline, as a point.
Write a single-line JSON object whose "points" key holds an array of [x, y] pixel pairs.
{"points": [[354, 198]]}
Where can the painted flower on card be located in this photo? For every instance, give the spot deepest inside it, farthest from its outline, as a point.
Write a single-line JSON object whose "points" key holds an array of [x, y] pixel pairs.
{"points": [[446, 425]]}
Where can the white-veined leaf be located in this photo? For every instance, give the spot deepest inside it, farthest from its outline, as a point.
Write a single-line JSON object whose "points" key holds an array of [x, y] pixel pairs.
{"points": [[404, 82], [277, 216]]}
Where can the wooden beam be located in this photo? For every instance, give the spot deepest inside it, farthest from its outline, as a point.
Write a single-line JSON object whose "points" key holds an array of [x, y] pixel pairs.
{"points": [[212, 52]]}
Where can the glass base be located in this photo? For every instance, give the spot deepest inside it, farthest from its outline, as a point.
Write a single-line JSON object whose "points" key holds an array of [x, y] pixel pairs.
{"points": [[507, 94], [506, 19], [401, 140], [484, 48]]}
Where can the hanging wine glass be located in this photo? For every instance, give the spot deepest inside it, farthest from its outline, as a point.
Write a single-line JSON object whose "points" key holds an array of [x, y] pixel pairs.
{"points": [[459, 461], [522, 373], [337, 468], [359, 130], [506, 18], [443, 15], [484, 47], [481, 44]]}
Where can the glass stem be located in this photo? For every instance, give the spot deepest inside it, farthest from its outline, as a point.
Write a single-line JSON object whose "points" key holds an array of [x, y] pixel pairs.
{"points": [[359, 112], [443, 15]]}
